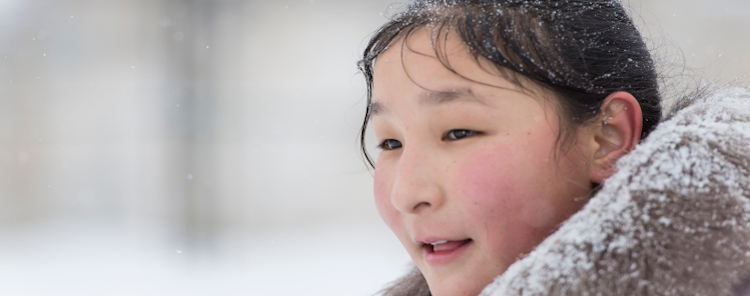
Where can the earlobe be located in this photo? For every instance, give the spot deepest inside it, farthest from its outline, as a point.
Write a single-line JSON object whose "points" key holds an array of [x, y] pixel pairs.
{"points": [[617, 133]]}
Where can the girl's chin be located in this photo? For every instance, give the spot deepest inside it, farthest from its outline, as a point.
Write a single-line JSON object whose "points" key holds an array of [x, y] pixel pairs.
{"points": [[468, 275]]}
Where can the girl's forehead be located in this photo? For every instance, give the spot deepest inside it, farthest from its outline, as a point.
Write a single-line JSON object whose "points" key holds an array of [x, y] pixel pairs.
{"points": [[447, 55], [418, 61], [416, 70]]}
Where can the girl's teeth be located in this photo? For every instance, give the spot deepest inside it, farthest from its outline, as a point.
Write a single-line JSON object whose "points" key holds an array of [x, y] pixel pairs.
{"points": [[439, 242]]}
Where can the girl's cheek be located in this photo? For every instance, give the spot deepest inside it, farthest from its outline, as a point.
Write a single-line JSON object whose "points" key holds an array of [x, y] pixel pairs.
{"points": [[484, 183], [501, 187]]}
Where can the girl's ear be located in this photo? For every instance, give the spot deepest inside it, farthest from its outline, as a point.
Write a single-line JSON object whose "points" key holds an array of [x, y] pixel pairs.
{"points": [[616, 134]]}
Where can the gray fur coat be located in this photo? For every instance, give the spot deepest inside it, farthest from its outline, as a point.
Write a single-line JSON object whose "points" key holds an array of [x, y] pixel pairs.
{"points": [[674, 219]]}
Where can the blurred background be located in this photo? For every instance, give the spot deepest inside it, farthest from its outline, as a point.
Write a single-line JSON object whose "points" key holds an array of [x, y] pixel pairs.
{"points": [[209, 147]]}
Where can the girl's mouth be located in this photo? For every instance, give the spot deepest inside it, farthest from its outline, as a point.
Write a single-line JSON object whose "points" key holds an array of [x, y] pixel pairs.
{"points": [[441, 252]]}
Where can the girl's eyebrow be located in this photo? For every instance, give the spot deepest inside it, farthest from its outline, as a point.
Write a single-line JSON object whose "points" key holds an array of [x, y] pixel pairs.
{"points": [[442, 97], [376, 108], [436, 98]]}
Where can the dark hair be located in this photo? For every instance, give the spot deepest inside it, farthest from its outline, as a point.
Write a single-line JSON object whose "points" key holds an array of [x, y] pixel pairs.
{"points": [[582, 50]]}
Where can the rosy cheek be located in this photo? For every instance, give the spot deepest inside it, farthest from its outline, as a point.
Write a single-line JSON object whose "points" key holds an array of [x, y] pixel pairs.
{"points": [[501, 189], [483, 183]]}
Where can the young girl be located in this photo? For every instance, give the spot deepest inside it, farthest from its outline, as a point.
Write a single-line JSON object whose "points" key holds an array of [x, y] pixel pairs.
{"points": [[499, 122]]}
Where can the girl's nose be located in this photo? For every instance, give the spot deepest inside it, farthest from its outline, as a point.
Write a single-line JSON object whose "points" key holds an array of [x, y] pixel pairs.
{"points": [[416, 187]]}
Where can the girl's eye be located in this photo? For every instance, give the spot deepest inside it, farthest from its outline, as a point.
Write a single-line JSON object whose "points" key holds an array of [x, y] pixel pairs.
{"points": [[459, 134], [390, 144]]}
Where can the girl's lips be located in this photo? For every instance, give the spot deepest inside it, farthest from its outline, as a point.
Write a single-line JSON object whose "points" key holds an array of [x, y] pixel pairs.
{"points": [[447, 246], [445, 252]]}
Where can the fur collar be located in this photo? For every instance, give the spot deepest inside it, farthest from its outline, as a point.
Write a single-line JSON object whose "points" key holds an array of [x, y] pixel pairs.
{"points": [[674, 219]]}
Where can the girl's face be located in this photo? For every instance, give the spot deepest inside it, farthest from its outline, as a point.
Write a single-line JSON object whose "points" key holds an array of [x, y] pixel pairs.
{"points": [[468, 178]]}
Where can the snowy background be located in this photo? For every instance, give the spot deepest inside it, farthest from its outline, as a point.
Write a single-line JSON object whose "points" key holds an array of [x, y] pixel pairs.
{"points": [[209, 147]]}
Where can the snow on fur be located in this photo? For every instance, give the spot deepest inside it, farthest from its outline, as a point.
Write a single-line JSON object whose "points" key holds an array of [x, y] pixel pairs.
{"points": [[674, 219]]}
